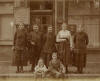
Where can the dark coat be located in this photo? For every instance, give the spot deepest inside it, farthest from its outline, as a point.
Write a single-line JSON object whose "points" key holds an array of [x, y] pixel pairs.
{"points": [[80, 43], [48, 48], [49, 45], [35, 49], [36, 37], [20, 56], [20, 39]]}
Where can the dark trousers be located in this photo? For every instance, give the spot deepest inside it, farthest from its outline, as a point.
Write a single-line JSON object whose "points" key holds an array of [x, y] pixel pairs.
{"points": [[47, 58], [35, 58]]}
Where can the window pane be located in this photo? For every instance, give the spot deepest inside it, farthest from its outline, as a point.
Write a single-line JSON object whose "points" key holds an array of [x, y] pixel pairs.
{"points": [[6, 27]]}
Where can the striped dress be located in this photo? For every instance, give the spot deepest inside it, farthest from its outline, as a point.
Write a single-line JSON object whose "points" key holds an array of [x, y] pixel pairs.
{"points": [[65, 42]]}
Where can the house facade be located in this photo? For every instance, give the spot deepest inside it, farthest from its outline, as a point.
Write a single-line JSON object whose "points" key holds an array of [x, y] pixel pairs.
{"points": [[50, 12]]}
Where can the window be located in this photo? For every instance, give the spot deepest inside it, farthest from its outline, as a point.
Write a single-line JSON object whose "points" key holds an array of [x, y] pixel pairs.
{"points": [[6, 27], [41, 5]]}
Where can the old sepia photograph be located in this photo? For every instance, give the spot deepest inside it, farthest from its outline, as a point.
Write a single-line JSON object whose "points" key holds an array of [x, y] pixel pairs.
{"points": [[56, 39]]}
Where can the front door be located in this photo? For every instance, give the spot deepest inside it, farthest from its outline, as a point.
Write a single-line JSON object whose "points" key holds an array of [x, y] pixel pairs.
{"points": [[43, 21], [42, 13]]}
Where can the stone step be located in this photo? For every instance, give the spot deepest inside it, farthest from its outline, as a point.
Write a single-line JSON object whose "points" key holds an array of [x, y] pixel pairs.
{"points": [[68, 77]]}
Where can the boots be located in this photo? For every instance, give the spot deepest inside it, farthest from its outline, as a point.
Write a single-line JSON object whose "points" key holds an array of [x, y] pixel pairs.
{"points": [[21, 69], [80, 69], [18, 71], [66, 69], [32, 68]]}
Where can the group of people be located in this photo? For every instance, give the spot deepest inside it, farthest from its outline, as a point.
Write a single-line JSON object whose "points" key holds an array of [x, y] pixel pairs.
{"points": [[48, 53]]}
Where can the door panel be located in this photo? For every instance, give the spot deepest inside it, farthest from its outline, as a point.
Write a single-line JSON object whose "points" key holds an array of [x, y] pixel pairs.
{"points": [[43, 21]]}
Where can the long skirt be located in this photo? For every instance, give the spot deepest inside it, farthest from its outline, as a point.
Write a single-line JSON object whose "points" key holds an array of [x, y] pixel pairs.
{"points": [[64, 52], [80, 57], [19, 58]]}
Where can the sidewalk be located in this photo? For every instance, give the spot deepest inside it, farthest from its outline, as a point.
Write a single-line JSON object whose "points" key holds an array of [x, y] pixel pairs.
{"points": [[92, 68], [89, 71]]}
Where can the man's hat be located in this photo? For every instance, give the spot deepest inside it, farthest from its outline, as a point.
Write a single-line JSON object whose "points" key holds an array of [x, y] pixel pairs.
{"points": [[50, 27], [64, 24], [35, 25]]}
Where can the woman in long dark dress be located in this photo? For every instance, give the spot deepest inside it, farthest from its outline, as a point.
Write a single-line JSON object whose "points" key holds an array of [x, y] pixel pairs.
{"points": [[20, 46], [65, 44], [80, 43]]}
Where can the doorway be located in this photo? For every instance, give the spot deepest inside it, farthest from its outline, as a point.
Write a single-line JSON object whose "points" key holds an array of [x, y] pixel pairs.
{"points": [[41, 13], [43, 21]]}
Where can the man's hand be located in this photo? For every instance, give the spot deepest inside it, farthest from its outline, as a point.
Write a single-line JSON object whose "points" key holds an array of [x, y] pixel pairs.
{"points": [[33, 43], [63, 39]]}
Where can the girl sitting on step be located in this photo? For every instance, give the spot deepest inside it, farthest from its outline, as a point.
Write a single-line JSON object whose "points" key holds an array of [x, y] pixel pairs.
{"points": [[40, 69]]}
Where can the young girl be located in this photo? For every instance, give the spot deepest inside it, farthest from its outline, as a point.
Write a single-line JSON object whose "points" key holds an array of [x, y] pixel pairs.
{"points": [[56, 68], [40, 69]]}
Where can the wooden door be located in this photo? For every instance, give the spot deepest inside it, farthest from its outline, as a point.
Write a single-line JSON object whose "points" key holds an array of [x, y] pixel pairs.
{"points": [[43, 21]]}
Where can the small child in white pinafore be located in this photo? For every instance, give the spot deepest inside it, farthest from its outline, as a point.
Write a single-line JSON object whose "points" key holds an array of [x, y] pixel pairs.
{"points": [[40, 69]]}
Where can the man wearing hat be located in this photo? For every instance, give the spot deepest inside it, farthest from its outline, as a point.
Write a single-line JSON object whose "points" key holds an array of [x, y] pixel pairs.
{"points": [[49, 45]]}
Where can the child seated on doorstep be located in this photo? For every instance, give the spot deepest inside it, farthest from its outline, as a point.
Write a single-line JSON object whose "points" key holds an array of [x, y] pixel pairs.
{"points": [[56, 69], [40, 69]]}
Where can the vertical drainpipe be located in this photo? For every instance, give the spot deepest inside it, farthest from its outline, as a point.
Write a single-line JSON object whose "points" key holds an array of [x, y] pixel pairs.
{"points": [[14, 26], [55, 17], [64, 10], [99, 24]]}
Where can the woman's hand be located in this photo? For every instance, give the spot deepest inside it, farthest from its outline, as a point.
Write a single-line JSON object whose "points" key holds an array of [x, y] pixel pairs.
{"points": [[63, 39], [72, 48]]}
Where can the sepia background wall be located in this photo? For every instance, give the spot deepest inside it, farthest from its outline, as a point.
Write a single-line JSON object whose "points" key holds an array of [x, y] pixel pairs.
{"points": [[82, 12]]}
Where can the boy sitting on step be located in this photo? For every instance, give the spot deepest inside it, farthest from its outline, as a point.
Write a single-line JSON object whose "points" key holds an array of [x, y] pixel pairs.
{"points": [[56, 69]]}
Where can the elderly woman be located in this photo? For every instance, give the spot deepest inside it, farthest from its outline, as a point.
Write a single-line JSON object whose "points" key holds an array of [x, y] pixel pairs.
{"points": [[20, 40], [65, 43], [80, 43]]}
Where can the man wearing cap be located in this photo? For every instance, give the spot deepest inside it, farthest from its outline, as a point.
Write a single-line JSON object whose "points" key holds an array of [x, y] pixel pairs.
{"points": [[35, 41], [49, 45], [65, 43]]}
